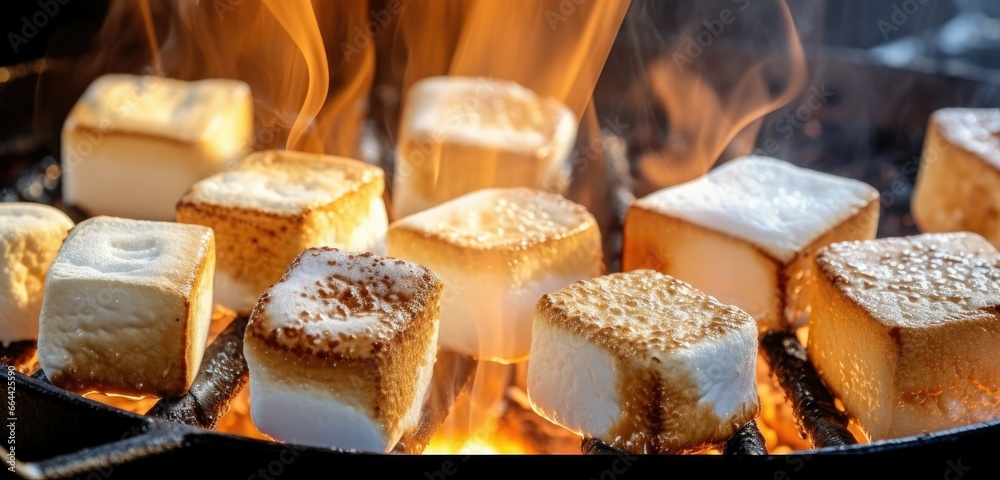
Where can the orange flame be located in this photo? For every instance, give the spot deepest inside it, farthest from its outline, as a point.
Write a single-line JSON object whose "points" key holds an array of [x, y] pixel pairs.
{"points": [[311, 65], [555, 47]]}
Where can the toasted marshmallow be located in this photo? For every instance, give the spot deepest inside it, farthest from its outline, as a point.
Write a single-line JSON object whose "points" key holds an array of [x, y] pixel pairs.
{"points": [[341, 350], [958, 187], [740, 231], [643, 361], [908, 332], [30, 236], [127, 307], [499, 251], [274, 205], [459, 134], [133, 144]]}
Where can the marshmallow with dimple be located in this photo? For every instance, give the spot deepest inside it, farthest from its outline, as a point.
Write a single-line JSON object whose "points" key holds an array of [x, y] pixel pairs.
{"points": [[133, 144], [644, 362], [907, 333], [958, 186], [460, 134], [30, 236], [740, 231], [127, 307], [341, 350], [499, 251], [275, 204]]}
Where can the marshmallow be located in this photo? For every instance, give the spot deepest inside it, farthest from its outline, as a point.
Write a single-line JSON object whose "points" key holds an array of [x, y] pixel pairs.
{"points": [[499, 251], [127, 307], [133, 144], [30, 236], [739, 232], [274, 205], [908, 332], [643, 361], [341, 350], [460, 134], [958, 187]]}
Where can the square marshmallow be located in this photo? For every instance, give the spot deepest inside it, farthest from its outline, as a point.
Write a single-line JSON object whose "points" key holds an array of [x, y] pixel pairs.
{"points": [[499, 251], [643, 361], [274, 205], [341, 350], [739, 232], [133, 144], [908, 332], [958, 187], [30, 236], [459, 134], [127, 307]]}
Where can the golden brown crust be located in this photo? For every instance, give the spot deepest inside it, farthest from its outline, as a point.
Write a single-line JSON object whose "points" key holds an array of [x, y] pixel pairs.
{"points": [[799, 274], [956, 187], [526, 241], [662, 313], [687, 426], [915, 282], [252, 246], [374, 370], [392, 293], [524, 259], [908, 332], [202, 285]]}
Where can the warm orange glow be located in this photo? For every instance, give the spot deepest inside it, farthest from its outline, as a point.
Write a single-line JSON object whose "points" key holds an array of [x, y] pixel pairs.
{"points": [[311, 64], [555, 47]]}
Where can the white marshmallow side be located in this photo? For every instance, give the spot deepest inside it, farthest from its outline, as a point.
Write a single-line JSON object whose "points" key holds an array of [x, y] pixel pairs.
{"points": [[723, 371], [572, 382], [133, 176], [308, 415], [772, 204]]}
